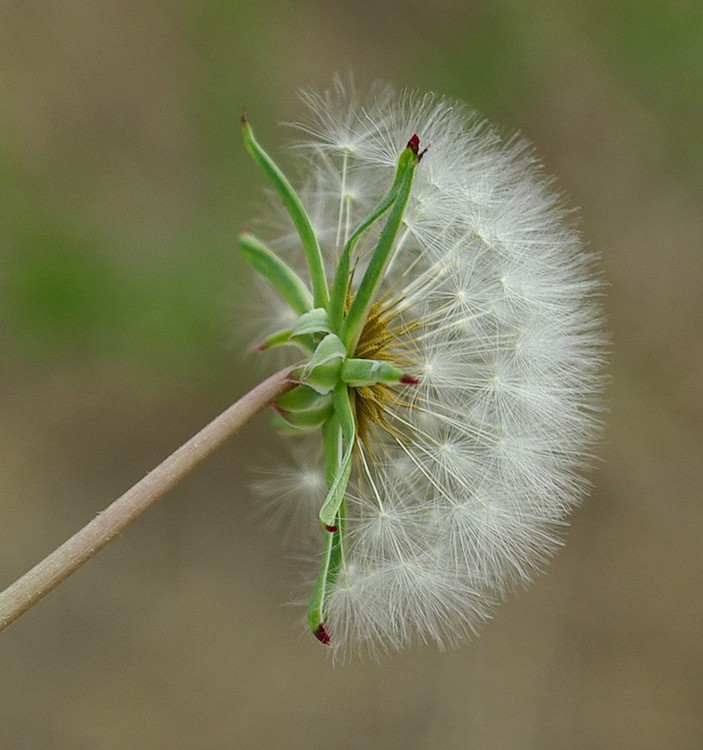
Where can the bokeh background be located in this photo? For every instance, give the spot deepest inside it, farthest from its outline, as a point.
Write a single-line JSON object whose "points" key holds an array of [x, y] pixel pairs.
{"points": [[123, 185]]}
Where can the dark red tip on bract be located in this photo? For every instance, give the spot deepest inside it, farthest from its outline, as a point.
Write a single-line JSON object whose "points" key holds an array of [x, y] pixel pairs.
{"points": [[414, 146], [409, 380], [322, 635], [331, 529]]}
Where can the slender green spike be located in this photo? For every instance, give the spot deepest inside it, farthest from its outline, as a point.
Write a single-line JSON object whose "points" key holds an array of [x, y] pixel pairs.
{"points": [[340, 285], [338, 487], [313, 321], [275, 339], [338, 296], [359, 372], [279, 274], [358, 311], [332, 552], [296, 211], [329, 570], [281, 338]]}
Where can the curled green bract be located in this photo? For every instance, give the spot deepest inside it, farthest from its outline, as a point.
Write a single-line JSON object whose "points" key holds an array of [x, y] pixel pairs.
{"points": [[281, 276], [329, 323]]}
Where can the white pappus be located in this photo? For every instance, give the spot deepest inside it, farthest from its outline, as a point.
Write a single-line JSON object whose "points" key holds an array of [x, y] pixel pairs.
{"points": [[466, 446]]}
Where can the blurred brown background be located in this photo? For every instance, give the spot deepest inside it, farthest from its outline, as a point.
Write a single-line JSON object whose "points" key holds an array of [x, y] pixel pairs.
{"points": [[123, 185]]}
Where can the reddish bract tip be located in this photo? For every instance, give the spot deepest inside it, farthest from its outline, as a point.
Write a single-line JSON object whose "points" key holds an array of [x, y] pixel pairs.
{"points": [[414, 143], [331, 529], [409, 380], [244, 119], [414, 146], [322, 635]]}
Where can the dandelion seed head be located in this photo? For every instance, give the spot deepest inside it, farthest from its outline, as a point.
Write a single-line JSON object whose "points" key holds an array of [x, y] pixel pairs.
{"points": [[461, 483]]}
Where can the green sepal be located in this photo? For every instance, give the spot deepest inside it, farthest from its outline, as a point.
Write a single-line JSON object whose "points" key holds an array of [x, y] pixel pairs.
{"points": [[296, 211], [329, 570], [302, 398], [321, 373], [338, 487], [357, 314], [332, 551], [278, 273], [285, 427], [309, 419], [304, 408], [311, 322], [359, 372], [279, 338], [340, 285]]}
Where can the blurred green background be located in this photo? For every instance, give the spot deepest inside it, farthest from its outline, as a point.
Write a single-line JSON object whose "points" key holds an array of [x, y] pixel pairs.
{"points": [[123, 185]]}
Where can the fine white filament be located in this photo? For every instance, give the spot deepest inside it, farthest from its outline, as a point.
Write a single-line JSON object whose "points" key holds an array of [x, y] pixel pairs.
{"points": [[460, 493]]}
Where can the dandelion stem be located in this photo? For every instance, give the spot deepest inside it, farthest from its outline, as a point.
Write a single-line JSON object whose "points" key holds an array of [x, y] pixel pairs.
{"points": [[57, 566]]}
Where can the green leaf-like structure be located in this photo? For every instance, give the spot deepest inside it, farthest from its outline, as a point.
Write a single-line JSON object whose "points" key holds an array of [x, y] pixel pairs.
{"points": [[330, 324]]}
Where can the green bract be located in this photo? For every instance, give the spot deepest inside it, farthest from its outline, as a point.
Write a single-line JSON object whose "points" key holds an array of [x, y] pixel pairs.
{"points": [[329, 324]]}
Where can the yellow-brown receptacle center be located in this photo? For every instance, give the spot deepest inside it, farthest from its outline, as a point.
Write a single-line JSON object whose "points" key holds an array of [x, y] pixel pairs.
{"points": [[386, 338]]}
